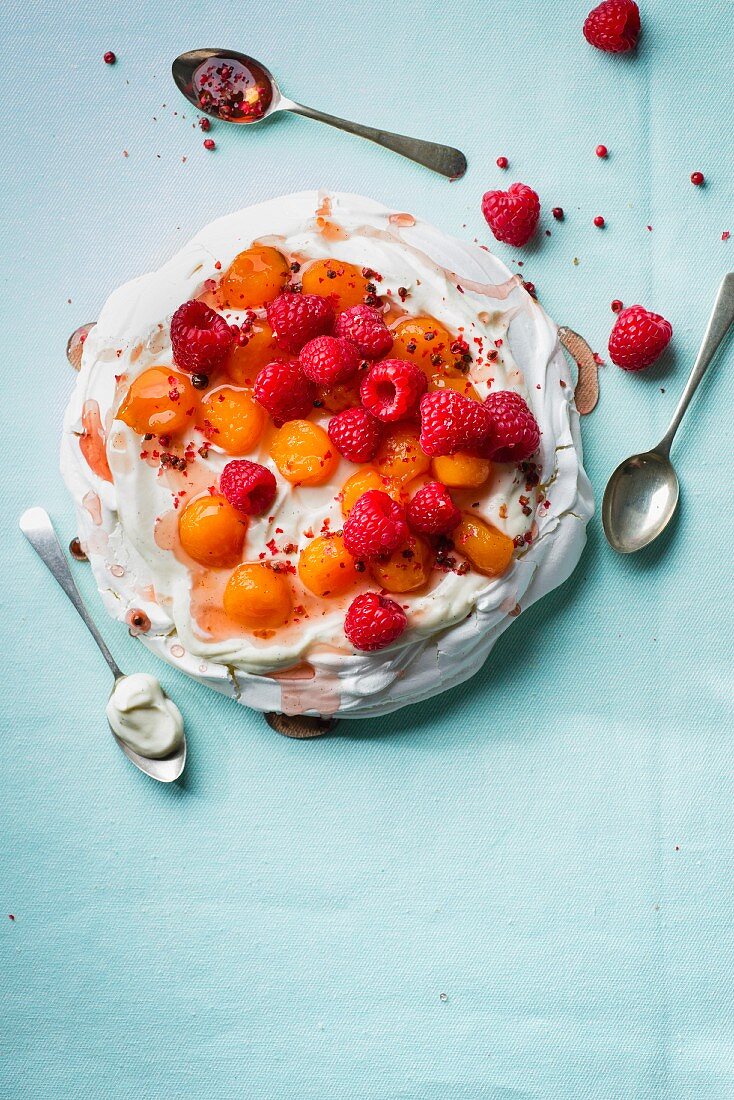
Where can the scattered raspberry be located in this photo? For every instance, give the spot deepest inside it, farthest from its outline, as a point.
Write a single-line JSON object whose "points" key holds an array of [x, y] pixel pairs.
{"points": [[366, 329], [284, 390], [512, 215], [451, 422], [329, 360], [200, 337], [356, 434], [109, 58], [613, 26], [432, 511], [697, 179], [248, 486], [373, 622], [516, 434], [297, 318], [638, 338], [392, 389], [375, 525]]}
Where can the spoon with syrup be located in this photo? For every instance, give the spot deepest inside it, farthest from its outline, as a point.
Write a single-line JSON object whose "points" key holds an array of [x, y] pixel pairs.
{"points": [[642, 493], [233, 87], [36, 525]]}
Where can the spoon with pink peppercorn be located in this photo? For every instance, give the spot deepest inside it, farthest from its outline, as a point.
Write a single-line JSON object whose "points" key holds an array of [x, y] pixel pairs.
{"points": [[233, 87]]}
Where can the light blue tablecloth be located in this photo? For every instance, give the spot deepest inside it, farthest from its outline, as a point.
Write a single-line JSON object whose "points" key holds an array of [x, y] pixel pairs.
{"points": [[521, 889]]}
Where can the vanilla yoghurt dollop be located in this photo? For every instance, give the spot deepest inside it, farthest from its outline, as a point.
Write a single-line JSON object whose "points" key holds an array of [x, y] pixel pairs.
{"points": [[143, 716], [124, 506]]}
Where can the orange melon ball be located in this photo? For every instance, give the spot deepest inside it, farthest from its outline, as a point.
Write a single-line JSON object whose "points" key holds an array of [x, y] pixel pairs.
{"points": [[246, 360], [160, 401], [423, 341], [212, 532], [405, 570], [336, 279], [400, 454], [461, 471], [233, 420], [362, 481], [254, 277], [344, 395], [326, 567], [257, 597], [303, 453], [452, 379], [488, 549]]}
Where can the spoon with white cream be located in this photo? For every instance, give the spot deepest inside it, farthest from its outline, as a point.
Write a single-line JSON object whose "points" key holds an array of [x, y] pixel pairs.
{"points": [[145, 723]]}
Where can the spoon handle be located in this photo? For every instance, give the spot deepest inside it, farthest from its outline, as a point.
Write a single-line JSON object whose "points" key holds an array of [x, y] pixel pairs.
{"points": [[722, 317], [443, 159], [37, 527]]}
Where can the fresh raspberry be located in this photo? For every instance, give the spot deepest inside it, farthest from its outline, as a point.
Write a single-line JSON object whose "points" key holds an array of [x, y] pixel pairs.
{"points": [[375, 525], [200, 337], [516, 435], [365, 327], [284, 391], [451, 422], [297, 318], [356, 434], [392, 389], [613, 26], [638, 338], [432, 511], [248, 486], [512, 215], [373, 621], [329, 360]]}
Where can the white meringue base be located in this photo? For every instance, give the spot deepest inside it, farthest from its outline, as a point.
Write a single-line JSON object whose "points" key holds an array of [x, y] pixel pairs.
{"points": [[423, 663]]}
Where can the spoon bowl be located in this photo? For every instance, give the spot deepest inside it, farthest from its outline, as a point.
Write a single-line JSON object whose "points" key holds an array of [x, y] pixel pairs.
{"points": [[639, 501], [165, 769], [243, 91], [187, 65]]}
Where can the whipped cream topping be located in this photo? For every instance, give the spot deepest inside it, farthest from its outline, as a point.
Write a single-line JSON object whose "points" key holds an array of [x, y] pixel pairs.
{"points": [[126, 510], [143, 716]]}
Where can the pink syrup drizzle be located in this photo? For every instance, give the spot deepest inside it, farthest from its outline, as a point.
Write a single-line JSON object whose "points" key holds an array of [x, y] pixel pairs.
{"points": [[93, 505], [402, 221], [92, 441]]}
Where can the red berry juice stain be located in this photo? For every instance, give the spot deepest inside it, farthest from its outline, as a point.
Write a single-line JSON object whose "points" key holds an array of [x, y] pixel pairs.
{"points": [[232, 90]]}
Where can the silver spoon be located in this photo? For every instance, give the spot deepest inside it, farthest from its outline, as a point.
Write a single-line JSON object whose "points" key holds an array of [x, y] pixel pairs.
{"points": [[222, 99], [37, 527], [642, 494]]}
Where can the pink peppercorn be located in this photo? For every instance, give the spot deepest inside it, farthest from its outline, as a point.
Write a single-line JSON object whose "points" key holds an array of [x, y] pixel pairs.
{"points": [[502, 162], [210, 143], [109, 58], [602, 151], [697, 178], [599, 221]]}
